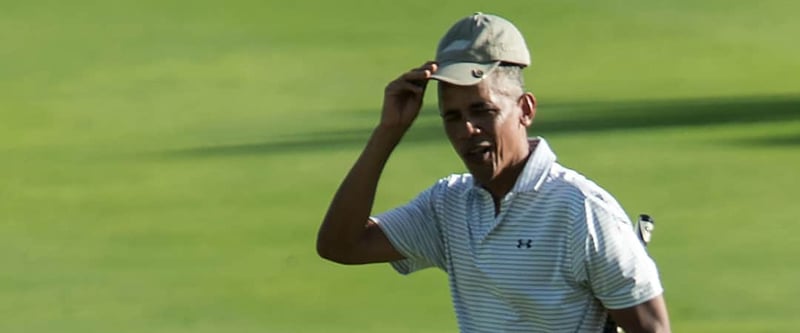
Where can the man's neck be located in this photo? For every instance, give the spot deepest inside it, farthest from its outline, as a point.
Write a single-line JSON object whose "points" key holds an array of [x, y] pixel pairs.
{"points": [[505, 181]]}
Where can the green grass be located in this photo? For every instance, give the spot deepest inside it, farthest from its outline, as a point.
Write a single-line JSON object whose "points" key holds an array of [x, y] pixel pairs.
{"points": [[166, 163]]}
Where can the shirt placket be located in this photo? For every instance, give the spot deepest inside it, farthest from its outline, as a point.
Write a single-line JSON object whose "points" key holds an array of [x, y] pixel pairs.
{"points": [[487, 221]]}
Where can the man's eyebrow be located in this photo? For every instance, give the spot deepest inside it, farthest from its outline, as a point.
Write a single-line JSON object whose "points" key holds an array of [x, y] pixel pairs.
{"points": [[481, 105], [444, 112], [473, 106]]}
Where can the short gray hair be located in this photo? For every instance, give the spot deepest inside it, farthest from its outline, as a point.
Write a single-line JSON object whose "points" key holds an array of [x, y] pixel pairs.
{"points": [[507, 80]]}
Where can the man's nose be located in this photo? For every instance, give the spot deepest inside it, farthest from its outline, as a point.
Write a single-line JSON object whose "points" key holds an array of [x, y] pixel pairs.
{"points": [[471, 128], [463, 128]]}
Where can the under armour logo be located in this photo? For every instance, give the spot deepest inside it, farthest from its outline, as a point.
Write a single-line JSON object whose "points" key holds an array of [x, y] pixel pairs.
{"points": [[524, 242]]}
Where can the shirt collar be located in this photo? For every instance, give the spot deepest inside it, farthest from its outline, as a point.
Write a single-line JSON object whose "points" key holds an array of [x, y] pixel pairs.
{"points": [[537, 168]]}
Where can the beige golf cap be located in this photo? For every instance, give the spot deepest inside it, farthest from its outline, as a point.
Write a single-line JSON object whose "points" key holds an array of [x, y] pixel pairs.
{"points": [[475, 46]]}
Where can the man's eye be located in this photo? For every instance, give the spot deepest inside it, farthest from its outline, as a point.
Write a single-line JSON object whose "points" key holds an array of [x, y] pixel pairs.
{"points": [[450, 116]]}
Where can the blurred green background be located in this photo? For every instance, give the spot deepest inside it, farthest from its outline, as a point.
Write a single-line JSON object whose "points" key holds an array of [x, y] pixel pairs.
{"points": [[166, 164]]}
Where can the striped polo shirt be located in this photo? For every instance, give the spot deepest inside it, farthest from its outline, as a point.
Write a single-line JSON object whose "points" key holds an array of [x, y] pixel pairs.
{"points": [[560, 251]]}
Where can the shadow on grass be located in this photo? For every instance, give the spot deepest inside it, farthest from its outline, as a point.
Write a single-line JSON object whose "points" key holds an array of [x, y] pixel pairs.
{"points": [[552, 119], [773, 141]]}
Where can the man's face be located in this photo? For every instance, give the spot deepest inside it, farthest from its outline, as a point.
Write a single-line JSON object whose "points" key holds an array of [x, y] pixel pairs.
{"points": [[487, 129]]}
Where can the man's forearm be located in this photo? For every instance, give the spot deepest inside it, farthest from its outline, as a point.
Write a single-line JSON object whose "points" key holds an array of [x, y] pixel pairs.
{"points": [[648, 317], [347, 215], [344, 236]]}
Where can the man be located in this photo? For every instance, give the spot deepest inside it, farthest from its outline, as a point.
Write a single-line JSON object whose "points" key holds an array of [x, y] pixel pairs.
{"points": [[528, 245]]}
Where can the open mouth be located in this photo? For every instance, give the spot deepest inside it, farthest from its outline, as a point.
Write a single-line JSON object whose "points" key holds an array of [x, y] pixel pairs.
{"points": [[479, 154]]}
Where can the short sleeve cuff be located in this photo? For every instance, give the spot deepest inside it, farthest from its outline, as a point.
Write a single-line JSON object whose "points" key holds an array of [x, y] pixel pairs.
{"points": [[635, 297], [409, 264]]}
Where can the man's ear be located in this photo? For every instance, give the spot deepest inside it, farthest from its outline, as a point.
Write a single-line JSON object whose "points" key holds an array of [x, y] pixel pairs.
{"points": [[527, 103]]}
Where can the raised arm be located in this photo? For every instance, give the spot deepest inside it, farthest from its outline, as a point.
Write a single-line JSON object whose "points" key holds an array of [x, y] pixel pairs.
{"points": [[346, 235]]}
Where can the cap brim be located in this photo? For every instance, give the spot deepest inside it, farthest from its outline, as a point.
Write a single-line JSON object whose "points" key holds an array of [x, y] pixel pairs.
{"points": [[464, 73]]}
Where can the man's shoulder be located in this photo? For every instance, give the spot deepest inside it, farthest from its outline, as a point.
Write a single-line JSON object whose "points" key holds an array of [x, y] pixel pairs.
{"points": [[454, 184], [567, 182], [574, 186]]}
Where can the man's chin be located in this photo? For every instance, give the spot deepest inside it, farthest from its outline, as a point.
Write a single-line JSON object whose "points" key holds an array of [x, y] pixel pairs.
{"points": [[480, 171]]}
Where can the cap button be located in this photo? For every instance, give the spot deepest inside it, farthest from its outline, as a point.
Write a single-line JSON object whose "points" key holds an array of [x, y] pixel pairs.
{"points": [[477, 73]]}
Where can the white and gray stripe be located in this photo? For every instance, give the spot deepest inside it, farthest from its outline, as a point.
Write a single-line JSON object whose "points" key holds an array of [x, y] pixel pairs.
{"points": [[560, 251]]}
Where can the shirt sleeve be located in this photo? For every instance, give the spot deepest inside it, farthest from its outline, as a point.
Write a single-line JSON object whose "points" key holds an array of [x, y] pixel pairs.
{"points": [[612, 261], [413, 231]]}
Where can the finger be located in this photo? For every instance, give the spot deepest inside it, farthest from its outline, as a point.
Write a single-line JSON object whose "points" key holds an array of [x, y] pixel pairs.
{"points": [[419, 80], [417, 75], [412, 87], [403, 86], [429, 65]]}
